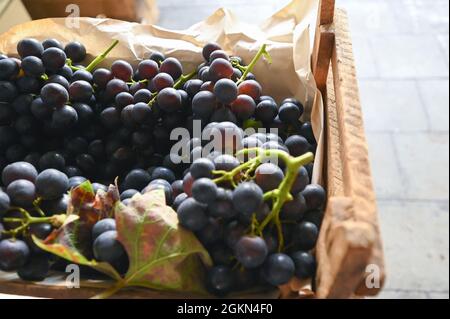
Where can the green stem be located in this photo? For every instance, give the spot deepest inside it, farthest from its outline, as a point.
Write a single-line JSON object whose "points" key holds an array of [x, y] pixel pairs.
{"points": [[183, 79], [70, 65], [283, 193], [101, 57], [262, 52]]}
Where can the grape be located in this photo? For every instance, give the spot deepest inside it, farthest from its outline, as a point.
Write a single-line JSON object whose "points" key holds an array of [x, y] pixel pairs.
{"points": [[8, 92], [51, 184], [294, 101], [99, 187], [82, 75], [220, 69], [188, 180], [142, 95], [220, 280], [223, 114], [140, 113], [307, 131], [192, 215], [169, 100], [66, 72], [172, 67], [247, 197], [75, 51], [268, 176], [103, 226], [75, 181], [36, 269], [204, 190], [315, 217], [160, 82], [22, 104], [52, 160], [279, 269], [315, 196], [123, 99], [110, 118], [177, 187], [221, 255], [136, 179], [122, 70], [41, 230], [226, 91], [203, 104], [223, 205], [208, 49], [163, 173], [218, 54], [207, 86], [266, 111], [9, 69], [18, 170], [251, 252], [52, 43], [129, 193], [295, 209], [251, 142], [244, 107], [202, 167], [28, 85], [59, 79], [297, 145], [14, 254], [289, 113], [80, 91], [21, 192], [115, 87], [225, 163], [192, 87], [108, 249], [305, 264], [251, 88], [158, 57], [53, 59], [101, 77], [64, 117], [148, 69], [86, 163], [301, 181], [54, 95], [5, 202], [305, 236], [211, 233], [29, 47]]}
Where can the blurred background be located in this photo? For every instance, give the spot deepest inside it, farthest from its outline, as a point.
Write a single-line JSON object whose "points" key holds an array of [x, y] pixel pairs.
{"points": [[401, 49]]}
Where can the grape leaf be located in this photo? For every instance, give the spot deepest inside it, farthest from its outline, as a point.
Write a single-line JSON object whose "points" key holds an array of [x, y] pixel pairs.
{"points": [[73, 240], [163, 255]]}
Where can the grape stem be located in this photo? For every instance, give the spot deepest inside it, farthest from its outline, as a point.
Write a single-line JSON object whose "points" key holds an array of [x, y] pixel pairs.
{"points": [[27, 220], [279, 196], [101, 57], [249, 68]]}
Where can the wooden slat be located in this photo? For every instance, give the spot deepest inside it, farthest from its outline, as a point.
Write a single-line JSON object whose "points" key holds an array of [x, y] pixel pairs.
{"points": [[323, 49], [326, 11], [352, 203]]}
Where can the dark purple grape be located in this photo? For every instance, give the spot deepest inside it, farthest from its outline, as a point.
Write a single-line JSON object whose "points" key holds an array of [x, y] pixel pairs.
{"points": [[226, 91], [29, 47], [289, 113], [161, 81], [220, 69], [172, 67], [294, 210], [54, 95], [301, 181], [75, 51], [52, 43], [101, 77], [115, 87], [64, 117], [122, 70], [243, 107], [208, 49], [305, 264], [80, 91], [8, 92], [28, 85], [247, 197], [204, 104], [14, 253], [192, 215], [169, 100], [315, 196], [266, 111], [268, 176], [158, 57], [251, 252], [9, 69], [142, 96], [278, 269], [59, 79], [54, 59], [218, 54], [21, 192], [82, 75], [148, 69], [110, 118]]}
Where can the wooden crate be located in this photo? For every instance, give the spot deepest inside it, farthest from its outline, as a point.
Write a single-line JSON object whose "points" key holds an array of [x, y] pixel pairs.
{"points": [[129, 10], [350, 239]]}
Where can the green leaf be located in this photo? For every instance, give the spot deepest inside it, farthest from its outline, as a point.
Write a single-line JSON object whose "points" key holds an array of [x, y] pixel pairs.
{"points": [[70, 253], [163, 255]]}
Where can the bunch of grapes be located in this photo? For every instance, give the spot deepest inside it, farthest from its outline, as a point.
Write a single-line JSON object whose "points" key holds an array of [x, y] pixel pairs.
{"points": [[62, 123]]}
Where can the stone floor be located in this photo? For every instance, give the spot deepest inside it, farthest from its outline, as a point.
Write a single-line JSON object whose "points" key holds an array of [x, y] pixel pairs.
{"points": [[402, 54]]}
